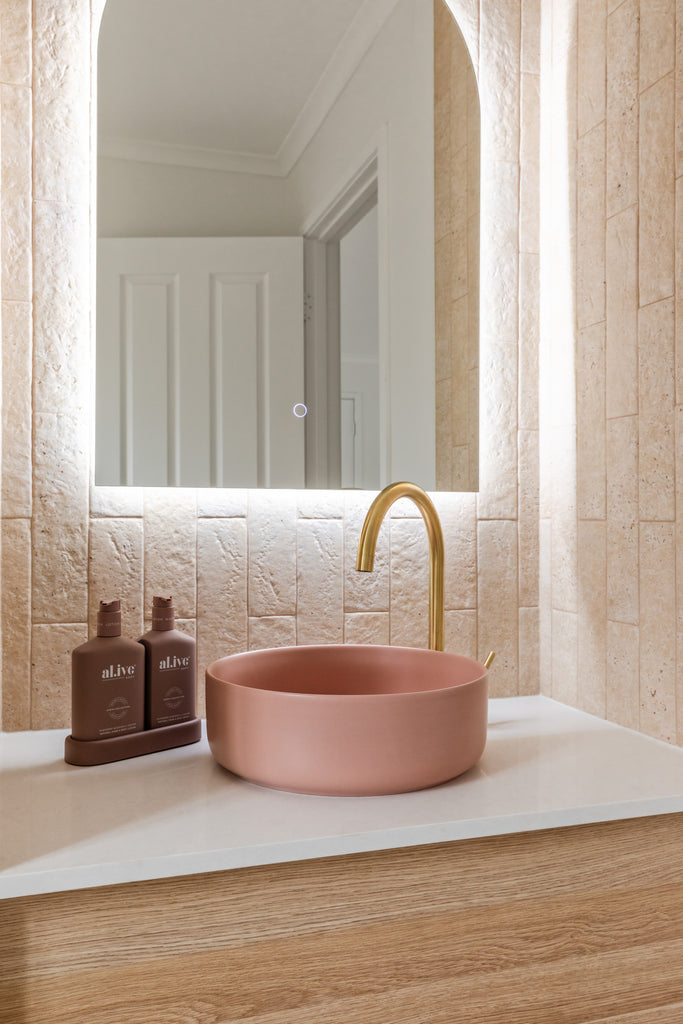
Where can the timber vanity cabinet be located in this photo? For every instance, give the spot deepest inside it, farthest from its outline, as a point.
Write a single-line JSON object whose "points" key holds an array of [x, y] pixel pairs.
{"points": [[187, 895]]}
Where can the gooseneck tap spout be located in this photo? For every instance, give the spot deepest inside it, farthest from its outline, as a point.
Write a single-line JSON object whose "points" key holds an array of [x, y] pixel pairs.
{"points": [[368, 540]]}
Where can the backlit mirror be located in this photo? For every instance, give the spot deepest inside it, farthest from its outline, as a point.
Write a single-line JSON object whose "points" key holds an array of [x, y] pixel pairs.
{"points": [[288, 245]]}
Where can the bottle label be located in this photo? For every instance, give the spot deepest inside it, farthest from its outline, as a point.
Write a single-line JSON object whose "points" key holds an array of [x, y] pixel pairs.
{"points": [[119, 671], [173, 698], [118, 708], [172, 662]]}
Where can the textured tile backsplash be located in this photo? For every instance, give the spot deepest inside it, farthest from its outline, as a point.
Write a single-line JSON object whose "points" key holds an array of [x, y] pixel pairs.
{"points": [[610, 526], [246, 569]]}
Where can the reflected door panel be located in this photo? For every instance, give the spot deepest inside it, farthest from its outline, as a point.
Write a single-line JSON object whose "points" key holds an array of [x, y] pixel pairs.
{"points": [[218, 409]]}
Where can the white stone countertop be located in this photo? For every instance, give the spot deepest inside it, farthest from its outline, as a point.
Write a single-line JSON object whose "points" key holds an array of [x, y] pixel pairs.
{"points": [[178, 812]]}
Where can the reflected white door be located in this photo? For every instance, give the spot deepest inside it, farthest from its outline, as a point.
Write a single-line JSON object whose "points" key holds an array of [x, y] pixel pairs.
{"points": [[200, 362]]}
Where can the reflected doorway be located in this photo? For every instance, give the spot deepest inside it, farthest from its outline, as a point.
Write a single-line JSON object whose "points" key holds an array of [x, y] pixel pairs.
{"points": [[359, 354]]}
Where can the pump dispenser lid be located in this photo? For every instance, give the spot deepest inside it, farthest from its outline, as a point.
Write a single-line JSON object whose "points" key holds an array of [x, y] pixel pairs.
{"points": [[109, 618], [163, 613]]}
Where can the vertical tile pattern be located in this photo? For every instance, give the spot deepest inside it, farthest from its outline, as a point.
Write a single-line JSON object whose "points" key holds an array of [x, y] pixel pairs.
{"points": [[456, 222], [250, 569], [16, 608], [627, 280]]}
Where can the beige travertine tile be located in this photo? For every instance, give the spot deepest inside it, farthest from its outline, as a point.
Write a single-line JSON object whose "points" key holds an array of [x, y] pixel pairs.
{"points": [[545, 603], [498, 626], [498, 431], [221, 589], [500, 39], [564, 666], [622, 314], [559, 381], [458, 129], [443, 309], [500, 248], [656, 356], [529, 184], [60, 518], [622, 107], [657, 40], [657, 630], [457, 513], [621, 679], [272, 631], [529, 652], [529, 313], [272, 553], [319, 612], [564, 524], [590, 242], [591, 425], [51, 647], [679, 579], [467, 17], [409, 611], [622, 519], [656, 455], [61, 314], [460, 632], [221, 503], [116, 502], [16, 619], [15, 220], [460, 412], [678, 126], [170, 549], [571, 74], [592, 617], [115, 570], [15, 42], [366, 628], [312, 504], [364, 591], [531, 36], [564, 27], [61, 109], [592, 31], [528, 518], [444, 454], [459, 261], [17, 352], [462, 356], [656, 192], [679, 285]]}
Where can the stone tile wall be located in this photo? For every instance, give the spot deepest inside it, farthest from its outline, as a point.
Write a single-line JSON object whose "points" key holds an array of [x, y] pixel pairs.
{"points": [[257, 568], [611, 511], [457, 172]]}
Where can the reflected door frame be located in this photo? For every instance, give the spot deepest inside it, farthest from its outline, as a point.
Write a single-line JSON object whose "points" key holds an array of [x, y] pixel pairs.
{"points": [[364, 190]]}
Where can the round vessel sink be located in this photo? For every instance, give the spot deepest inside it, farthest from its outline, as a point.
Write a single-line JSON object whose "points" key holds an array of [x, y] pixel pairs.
{"points": [[347, 720]]}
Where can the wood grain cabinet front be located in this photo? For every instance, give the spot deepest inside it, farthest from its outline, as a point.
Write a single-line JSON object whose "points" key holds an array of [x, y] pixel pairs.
{"points": [[580, 925]]}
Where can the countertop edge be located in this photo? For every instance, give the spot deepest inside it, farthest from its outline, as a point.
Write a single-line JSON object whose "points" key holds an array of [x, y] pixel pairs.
{"points": [[39, 883]]}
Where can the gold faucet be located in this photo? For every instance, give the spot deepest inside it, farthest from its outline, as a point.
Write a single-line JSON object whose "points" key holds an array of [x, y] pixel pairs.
{"points": [[368, 539]]}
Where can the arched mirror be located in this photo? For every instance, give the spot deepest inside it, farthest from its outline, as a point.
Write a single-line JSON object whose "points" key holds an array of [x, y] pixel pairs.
{"points": [[288, 245]]}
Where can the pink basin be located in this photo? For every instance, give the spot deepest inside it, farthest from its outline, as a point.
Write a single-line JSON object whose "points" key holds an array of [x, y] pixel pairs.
{"points": [[346, 720]]}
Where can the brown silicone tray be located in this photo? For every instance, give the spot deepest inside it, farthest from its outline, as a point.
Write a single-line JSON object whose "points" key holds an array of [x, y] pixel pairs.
{"points": [[118, 748]]}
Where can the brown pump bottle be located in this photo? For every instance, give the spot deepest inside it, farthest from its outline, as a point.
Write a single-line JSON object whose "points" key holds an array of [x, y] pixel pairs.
{"points": [[107, 681], [170, 669]]}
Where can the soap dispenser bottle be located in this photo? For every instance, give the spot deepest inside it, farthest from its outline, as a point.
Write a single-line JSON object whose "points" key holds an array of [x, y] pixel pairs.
{"points": [[107, 681], [170, 669]]}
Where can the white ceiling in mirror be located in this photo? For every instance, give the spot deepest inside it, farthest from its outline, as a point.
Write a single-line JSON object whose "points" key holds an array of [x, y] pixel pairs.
{"points": [[220, 98]]}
